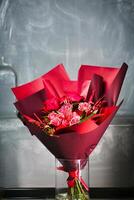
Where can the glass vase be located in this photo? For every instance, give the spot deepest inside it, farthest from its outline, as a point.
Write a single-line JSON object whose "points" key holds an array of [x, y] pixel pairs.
{"points": [[71, 179]]}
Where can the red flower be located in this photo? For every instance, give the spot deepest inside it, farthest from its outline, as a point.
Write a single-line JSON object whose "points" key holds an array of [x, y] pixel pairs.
{"points": [[73, 96]]}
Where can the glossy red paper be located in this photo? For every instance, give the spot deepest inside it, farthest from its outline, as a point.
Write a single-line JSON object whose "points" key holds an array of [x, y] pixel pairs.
{"points": [[79, 140]]}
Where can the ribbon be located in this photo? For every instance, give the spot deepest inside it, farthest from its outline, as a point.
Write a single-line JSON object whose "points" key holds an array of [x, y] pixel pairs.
{"points": [[73, 175]]}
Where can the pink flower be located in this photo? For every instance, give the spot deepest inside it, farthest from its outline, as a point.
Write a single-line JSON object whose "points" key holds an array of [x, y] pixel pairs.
{"points": [[52, 115], [54, 118], [75, 119], [84, 106], [66, 110], [55, 121], [64, 117], [51, 104], [66, 107]]}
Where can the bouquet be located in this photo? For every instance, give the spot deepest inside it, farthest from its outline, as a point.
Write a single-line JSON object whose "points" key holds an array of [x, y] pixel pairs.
{"points": [[63, 113]]}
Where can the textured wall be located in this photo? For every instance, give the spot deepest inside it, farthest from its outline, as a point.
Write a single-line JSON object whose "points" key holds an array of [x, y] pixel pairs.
{"points": [[35, 35]]}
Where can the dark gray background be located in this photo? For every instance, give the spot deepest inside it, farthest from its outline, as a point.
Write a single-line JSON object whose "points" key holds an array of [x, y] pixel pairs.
{"points": [[36, 35]]}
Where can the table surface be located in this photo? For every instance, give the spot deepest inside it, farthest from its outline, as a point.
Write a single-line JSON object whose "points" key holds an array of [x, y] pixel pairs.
{"points": [[53, 199]]}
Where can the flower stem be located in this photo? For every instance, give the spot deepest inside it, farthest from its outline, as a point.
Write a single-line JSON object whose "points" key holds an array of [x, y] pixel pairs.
{"points": [[82, 191], [77, 192]]}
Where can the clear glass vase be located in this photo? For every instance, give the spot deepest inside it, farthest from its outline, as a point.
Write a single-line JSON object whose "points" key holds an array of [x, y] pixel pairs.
{"points": [[71, 179]]}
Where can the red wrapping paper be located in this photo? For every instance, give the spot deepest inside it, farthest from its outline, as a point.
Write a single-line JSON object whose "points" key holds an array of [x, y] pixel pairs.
{"points": [[77, 141]]}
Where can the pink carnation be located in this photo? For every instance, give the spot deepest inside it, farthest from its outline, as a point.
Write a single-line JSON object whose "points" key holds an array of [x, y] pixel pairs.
{"points": [[84, 106], [66, 110], [55, 119], [75, 119], [52, 115]]}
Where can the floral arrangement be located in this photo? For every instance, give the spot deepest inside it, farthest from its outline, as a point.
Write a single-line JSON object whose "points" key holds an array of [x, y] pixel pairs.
{"points": [[63, 113]]}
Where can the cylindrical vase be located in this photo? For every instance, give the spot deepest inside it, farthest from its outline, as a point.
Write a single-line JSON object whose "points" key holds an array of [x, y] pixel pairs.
{"points": [[71, 179]]}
